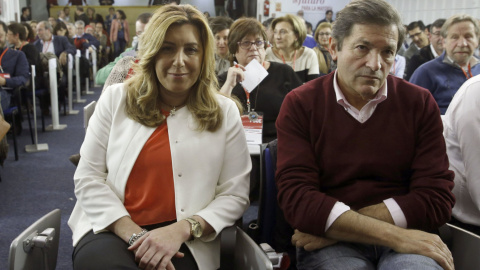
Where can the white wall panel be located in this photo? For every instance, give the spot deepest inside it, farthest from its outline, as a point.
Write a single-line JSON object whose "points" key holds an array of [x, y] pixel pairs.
{"points": [[430, 10]]}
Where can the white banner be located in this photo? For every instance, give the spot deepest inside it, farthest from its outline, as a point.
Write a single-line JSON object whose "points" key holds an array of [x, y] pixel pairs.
{"points": [[313, 10]]}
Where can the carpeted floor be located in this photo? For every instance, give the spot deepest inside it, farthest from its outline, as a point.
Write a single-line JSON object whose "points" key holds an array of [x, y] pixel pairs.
{"points": [[40, 182]]}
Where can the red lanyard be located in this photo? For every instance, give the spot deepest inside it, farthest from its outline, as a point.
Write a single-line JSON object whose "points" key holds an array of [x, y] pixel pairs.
{"points": [[248, 99], [294, 59], [469, 72], [1, 57], [45, 50]]}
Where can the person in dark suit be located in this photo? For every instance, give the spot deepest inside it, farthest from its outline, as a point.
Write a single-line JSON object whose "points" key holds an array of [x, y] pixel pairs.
{"points": [[47, 42]]}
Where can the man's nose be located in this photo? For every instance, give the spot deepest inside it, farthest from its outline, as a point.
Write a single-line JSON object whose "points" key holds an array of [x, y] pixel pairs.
{"points": [[373, 61]]}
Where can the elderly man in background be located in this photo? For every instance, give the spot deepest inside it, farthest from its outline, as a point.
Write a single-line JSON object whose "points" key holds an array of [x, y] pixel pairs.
{"points": [[444, 75], [362, 169]]}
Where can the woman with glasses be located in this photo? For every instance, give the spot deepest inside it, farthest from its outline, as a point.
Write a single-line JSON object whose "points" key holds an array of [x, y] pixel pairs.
{"points": [[247, 41], [289, 33], [322, 37]]}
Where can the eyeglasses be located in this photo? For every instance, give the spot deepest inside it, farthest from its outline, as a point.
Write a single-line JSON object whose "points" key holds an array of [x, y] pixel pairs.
{"points": [[324, 34], [247, 44]]}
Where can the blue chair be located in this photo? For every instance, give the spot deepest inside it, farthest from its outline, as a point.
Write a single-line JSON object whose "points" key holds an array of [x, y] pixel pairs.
{"points": [[272, 226]]}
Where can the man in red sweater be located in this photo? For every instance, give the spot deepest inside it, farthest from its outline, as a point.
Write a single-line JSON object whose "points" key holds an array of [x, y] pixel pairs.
{"points": [[362, 170]]}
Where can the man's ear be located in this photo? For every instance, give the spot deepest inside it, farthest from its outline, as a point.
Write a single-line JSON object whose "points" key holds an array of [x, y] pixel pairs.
{"points": [[332, 48]]}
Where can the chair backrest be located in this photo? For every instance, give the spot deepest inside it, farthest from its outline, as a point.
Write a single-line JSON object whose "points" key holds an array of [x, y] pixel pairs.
{"points": [[88, 112], [249, 255], [464, 245], [26, 252]]}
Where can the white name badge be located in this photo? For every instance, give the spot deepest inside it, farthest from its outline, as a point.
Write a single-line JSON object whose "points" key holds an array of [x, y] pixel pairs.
{"points": [[253, 127]]}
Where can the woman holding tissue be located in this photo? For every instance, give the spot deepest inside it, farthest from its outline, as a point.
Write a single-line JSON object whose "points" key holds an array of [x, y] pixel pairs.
{"points": [[247, 41]]}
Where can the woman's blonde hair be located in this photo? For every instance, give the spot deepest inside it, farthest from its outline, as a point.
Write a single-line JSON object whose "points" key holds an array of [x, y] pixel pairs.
{"points": [[298, 25], [143, 87]]}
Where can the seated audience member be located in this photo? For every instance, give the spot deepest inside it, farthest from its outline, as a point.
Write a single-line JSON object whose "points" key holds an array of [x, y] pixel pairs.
{"points": [[71, 32], [84, 41], [61, 29], [247, 41], [49, 43], [220, 27], [123, 62], [398, 67], [91, 31], [62, 17], [166, 122], [29, 32], [418, 34], [33, 26], [52, 21], [362, 169], [16, 37], [322, 36], [14, 67], [309, 41], [268, 29], [427, 53], [444, 75], [461, 131], [289, 34], [119, 33]]}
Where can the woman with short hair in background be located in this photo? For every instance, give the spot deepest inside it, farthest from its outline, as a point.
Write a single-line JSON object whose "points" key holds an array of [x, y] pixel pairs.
{"points": [[289, 34], [322, 37]]}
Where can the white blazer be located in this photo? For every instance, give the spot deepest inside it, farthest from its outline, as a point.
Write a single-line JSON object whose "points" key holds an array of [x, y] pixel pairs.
{"points": [[210, 170]]}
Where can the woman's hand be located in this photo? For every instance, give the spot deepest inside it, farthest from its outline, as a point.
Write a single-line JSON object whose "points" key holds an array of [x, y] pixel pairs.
{"points": [[235, 74], [155, 249]]}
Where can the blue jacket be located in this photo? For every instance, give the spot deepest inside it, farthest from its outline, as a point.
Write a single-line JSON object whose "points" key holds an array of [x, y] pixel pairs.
{"points": [[442, 79], [60, 44], [15, 63]]}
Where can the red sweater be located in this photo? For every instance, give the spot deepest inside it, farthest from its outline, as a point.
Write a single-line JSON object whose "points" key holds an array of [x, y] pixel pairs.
{"points": [[325, 156]]}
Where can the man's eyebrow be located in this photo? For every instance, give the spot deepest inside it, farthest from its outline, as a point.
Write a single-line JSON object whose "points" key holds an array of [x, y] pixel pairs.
{"points": [[370, 44]]}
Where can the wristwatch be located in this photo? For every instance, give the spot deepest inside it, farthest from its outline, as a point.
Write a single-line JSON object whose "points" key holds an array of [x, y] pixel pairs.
{"points": [[196, 229]]}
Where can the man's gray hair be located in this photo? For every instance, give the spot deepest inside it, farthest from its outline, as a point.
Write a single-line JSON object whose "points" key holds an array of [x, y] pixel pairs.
{"points": [[457, 19], [376, 12], [47, 26], [80, 22]]}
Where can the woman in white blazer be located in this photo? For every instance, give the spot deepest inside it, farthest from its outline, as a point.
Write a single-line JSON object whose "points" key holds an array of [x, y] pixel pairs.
{"points": [[174, 89]]}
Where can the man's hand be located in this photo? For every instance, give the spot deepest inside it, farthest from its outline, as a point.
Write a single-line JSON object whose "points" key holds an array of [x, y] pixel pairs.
{"points": [[311, 242], [426, 244], [3, 81], [63, 58]]}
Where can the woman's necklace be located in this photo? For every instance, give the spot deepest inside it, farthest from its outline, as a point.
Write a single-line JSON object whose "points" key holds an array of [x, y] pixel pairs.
{"points": [[173, 109]]}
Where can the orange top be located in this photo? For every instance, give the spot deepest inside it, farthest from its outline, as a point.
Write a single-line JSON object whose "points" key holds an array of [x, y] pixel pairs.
{"points": [[150, 191]]}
